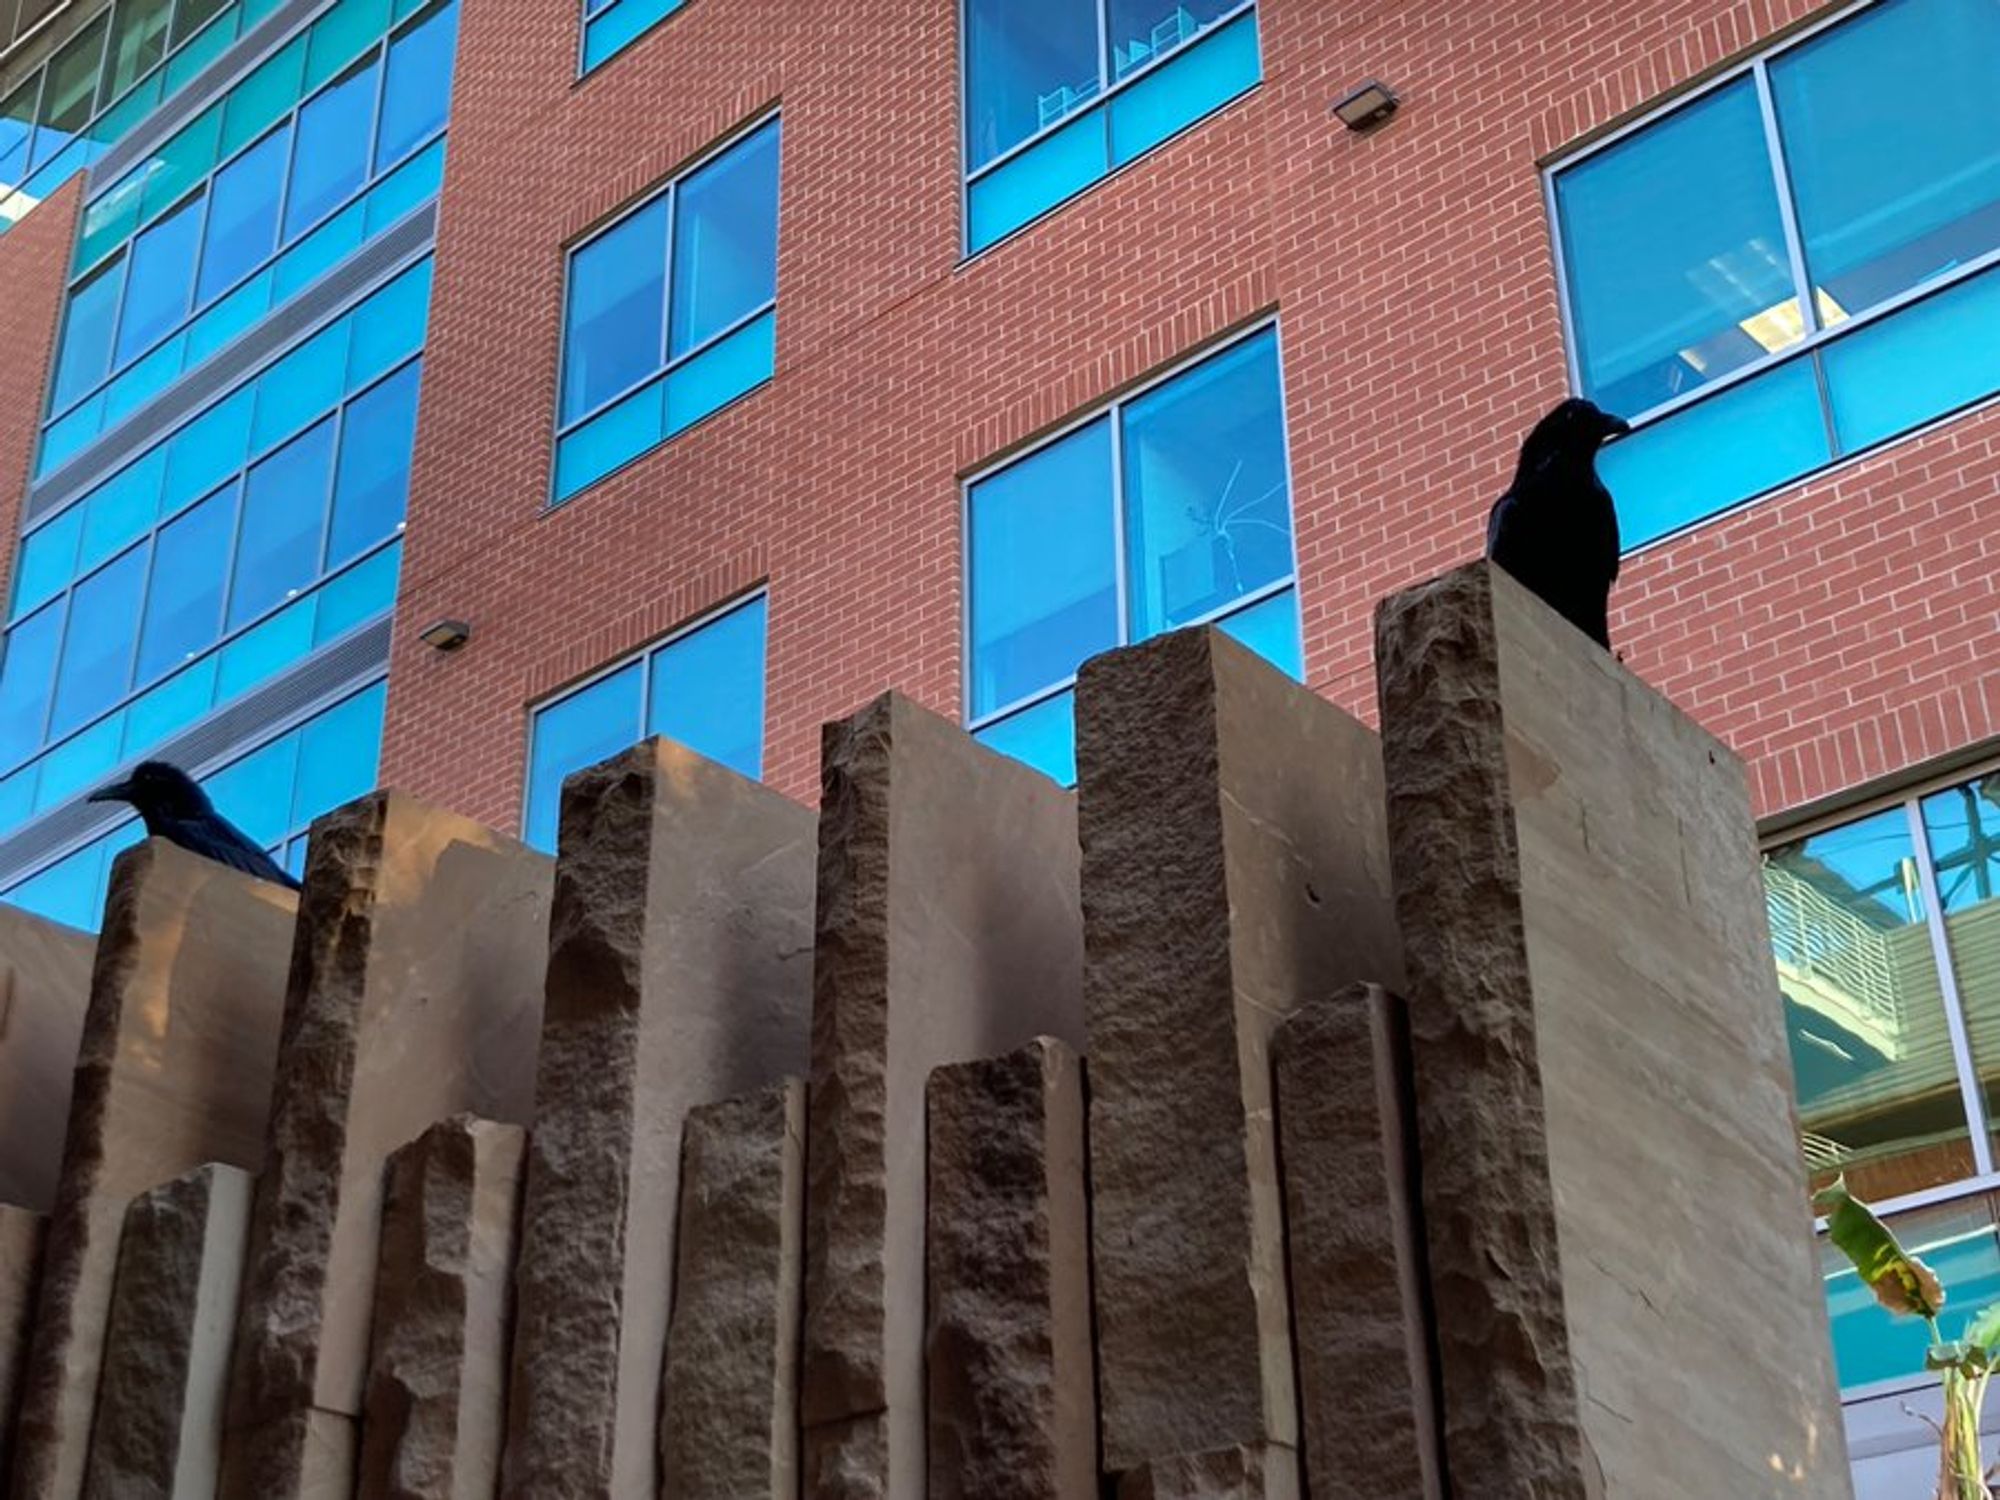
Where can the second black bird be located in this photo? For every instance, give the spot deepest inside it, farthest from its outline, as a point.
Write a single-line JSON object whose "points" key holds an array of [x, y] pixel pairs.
{"points": [[176, 809], [1555, 530]]}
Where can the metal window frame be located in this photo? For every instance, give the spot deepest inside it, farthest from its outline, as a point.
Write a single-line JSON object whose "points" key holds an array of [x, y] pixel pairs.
{"points": [[585, 15], [1112, 411]]}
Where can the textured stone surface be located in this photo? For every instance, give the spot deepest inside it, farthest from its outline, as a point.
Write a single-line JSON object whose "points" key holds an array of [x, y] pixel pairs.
{"points": [[158, 1430], [173, 1071], [679, 974], [1013, 1401], [44, 987], [437, 1365], [21, 1236], [1368, 1417], [1621, 1258], [1235, 863], [415, 994], [729, 1429], [947, 930], [1268, 1472]]}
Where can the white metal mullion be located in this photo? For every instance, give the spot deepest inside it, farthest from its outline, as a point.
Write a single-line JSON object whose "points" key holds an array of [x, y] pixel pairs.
{"points": [[1116, 416], [1103, 47], [1781, 177], [1954, 1010]]}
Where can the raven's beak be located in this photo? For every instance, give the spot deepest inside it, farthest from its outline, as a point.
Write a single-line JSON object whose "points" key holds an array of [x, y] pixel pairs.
{"points": [[118, 791], [1616, 426]]}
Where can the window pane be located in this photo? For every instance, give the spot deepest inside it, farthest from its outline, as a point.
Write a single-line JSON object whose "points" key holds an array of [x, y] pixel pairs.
{"points": [[1043, 570], [726, 241], [191, 15], [184, 604], [1963, 825], [708, 690], [1043, 737], [374, 478], [1870, 1343], [243, 214], [1207, 500], [119, 510], [17, 125], [1028, 63], [1918, 363], [255, 793], [46, 560], [617, 296], [1878, 1088], [27, 670], [97, 652], [337, 756], [156, 285], [1271, 629], [284, 502], [417, 92], [70, 891], [138, 40], [86, 342], [571, 733], [208, 450], [331, 158], [1142, 30], [1171, 98], [69, 92], [1676, 255], [1890, 197]]}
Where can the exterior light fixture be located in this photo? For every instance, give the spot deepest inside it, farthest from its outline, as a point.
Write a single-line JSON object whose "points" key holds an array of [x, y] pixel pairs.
{"points": [[445, 635], [1368, 106]]}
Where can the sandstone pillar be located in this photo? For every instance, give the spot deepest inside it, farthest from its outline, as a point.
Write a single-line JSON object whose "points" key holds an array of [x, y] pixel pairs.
{"points": [[1013, 1399], [1235, 864], [415, 994], [678, 974], [173, 1071], [44, 987], [947, 930], [21, 1235], [158, 1430], [437, 1367], [1368, 1418], [1622, 1262], [730, 1426]]}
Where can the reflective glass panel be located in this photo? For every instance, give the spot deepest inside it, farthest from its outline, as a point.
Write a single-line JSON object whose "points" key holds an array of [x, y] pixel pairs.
{"points": [[417, 92], [331, 157], [337, 756], [184, 603], [1963, 827], [160, 269], [1044, 577], [374, 476], [1043, 736], [1144, 31], [138, 41], [27, 671], [96, 664], [191, 15], [617, 299], [571, 733], [69, 91], [284, 503], [1028, 64], [17, 128], [1877, 1082], [1271, 629], [1675, 254], [243, 215], [1871, 1344], [725, 256], [255, 793], [708, 690], [87, 329]]}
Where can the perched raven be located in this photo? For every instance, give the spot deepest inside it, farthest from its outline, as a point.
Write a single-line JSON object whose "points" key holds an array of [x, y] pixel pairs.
{"points": [[177, 810], [1555, 529]]}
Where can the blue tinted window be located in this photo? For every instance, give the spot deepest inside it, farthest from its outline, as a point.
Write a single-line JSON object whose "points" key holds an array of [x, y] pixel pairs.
{"points": [[47, 559], [337, 755], [255, 793], [243, 214], [119, 510], [708, 690], [17, 126], [374, 474], [1029, 63], [417, 92], [1144, 31], [1960, 1244], [1044, 568], [617, 299], [1271, 629], [330, 159], [208, 450], [96, 664], [69, 91], [184, 604], [725, 254], [284, 503], [27, 672], [70, 891], [159, 269], [87, 329], [588, 726], [1043, 736]]}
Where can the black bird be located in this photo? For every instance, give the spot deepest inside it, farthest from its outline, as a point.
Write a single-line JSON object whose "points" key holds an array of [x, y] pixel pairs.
{"points": [[177, 810], [1555, 529]]}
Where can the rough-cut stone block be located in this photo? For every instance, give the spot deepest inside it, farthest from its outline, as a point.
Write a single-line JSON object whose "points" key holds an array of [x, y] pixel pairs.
{"points": [[1013, 1400], [21, 1234], [158, 1430], [729, 1430], [1235, 863], [1368, 1416], [679, 974], [437, 1368], [44, 987], [174, 1071], [947, 930], [1266, 1472], [1622, 1264], [415, 994]]}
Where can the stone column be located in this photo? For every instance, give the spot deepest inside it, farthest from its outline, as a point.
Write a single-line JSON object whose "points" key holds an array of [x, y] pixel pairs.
{"points": [[730, 1427], [1235, 864], [44, 987], [174, 1071], [21, 1235], [415, 994], [1013, 1399], [679, 974], [947, 930], [1265, 1471], [1621, 1255], [1360, 1298], [158, 1430], [437, 1366]]}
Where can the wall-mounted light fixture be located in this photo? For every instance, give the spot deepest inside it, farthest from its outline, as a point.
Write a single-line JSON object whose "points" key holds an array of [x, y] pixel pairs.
{"points": [[1368, 106], [445, 635]]}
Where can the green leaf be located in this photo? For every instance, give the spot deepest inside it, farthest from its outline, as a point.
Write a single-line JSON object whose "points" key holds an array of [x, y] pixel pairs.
{"points": [[1900, 1281], [1983, 1331]]}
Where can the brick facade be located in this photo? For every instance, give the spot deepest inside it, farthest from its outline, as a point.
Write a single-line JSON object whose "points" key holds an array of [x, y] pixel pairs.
{"points": [[34, 268], [1831, 633]]}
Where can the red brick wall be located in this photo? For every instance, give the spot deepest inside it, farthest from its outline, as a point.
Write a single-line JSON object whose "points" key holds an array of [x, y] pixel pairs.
{"points": [[1832, 633], [34, 264]]}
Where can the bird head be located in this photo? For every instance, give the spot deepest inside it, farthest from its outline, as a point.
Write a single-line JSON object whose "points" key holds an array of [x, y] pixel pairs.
{"points": [[157, 789], [1574, 430]]}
